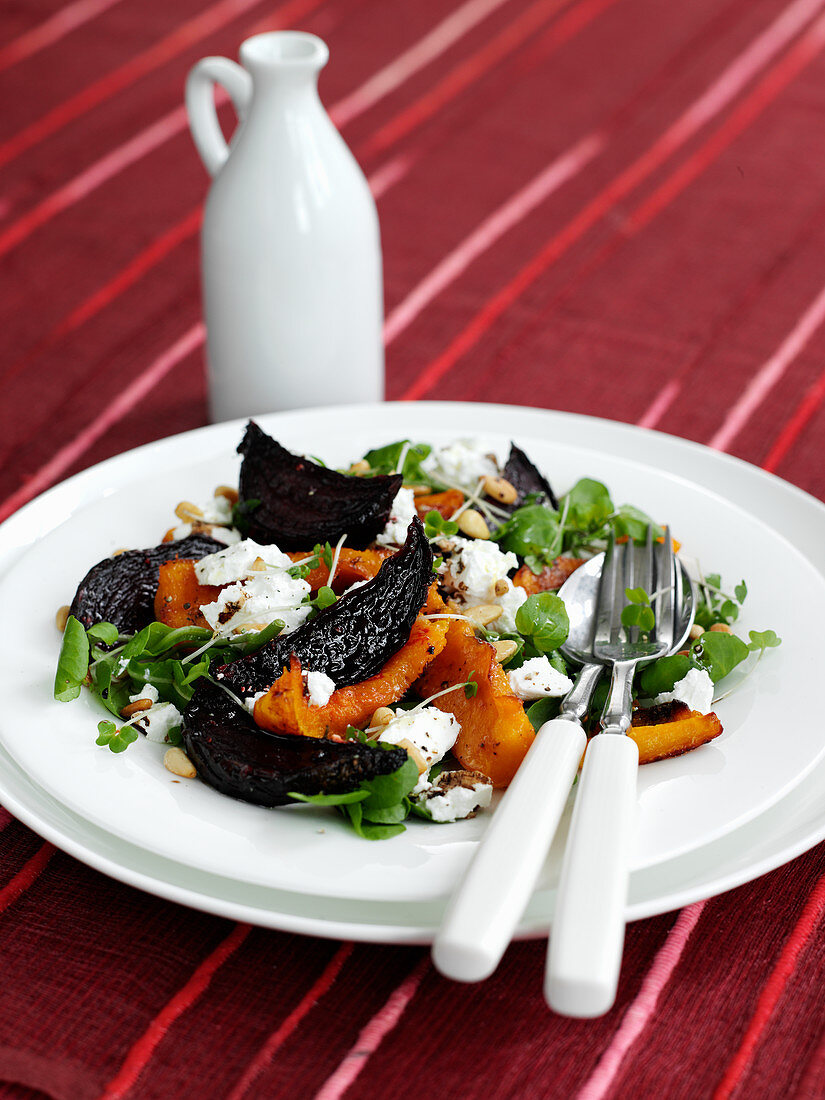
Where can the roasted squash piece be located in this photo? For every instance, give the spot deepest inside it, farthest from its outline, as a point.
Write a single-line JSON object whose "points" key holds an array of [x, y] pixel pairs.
{"points": [[551, 577], [286, 709], [180, 595], [353, 565], [445, 503], [670, 730], [495, 731]]}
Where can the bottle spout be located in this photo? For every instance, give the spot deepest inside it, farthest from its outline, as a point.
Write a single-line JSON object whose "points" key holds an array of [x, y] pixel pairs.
{"points": [[284, 54]]}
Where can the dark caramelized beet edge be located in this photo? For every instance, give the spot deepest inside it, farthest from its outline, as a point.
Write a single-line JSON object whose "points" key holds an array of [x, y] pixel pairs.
{"points": [[238, 758], [302, 503], [122, 590], [355, 637], [522, 474]]}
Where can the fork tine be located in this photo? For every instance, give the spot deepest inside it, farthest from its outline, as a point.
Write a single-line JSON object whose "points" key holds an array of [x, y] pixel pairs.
{"points": [[647, 579], [666, 582], [606, 599]]}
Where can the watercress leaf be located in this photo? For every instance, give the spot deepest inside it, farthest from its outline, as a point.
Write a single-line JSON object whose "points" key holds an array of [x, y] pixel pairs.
{"points": [[637, 614], [435, 526], [387, 790], [175, 735], [729, 611], [533, 533], [389, 815], [542, 711], [714, 579], [384, 460], [105, 732], [761, 640], [633, 523], [73, 662], [543, 619], [419, 809], [588, 504], [718, 653], [378, 832], [637, 595], [121, 740], [663, 675], [330, 799], [471, 687], [103, 632], [325, 598], [741, 591], [251, 643]]}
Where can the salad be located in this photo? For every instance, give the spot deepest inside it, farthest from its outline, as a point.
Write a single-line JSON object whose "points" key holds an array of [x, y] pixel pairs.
{"points": [[382, 639]]}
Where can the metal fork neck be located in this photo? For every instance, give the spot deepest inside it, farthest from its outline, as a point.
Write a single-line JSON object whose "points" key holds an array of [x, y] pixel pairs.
{"points": [[616, 714]]}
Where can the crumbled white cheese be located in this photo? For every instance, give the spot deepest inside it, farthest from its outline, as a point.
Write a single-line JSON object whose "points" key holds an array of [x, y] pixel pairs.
{"points": [[235, 563], [257, 601], [461, 463], [475, 567], [155, 722], [229, 535], [457, 802], [320, 688], [537, 679], [216, 510], [432, 731], [695, 690], [402, 513]]}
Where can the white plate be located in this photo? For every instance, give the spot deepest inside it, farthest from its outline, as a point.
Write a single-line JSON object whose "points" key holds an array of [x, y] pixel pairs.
{"points": [[685, 803]]}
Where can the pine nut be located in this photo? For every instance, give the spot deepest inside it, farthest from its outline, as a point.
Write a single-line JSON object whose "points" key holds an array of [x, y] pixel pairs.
{"points": [[720, 628], [415, 755], [483, 614], [500, 489], [696, 631], [472, 523], [136, 707], [120, 550], [228, 492], [419, 490], [62, 617], [360, 467], [382, 717], [258, 566], [187, 510], [501, 587], [178, 763], [505, 650]]}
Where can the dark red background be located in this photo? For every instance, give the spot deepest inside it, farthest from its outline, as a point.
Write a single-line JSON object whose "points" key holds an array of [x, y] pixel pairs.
{"points": [[676, 278]]}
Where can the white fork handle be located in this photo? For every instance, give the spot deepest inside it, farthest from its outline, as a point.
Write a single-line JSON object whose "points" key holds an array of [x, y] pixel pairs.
{"points": [[487, 905], [587, 936]]}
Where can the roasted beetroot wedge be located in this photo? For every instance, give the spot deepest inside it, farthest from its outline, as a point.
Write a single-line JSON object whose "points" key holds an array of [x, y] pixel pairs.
{"points": [[353, 639], [122, 590], [238, 758], [301, 503], [526, 478]]}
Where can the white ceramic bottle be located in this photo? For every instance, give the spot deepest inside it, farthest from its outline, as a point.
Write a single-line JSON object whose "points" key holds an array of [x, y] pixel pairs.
{"points": [[291, 253]]}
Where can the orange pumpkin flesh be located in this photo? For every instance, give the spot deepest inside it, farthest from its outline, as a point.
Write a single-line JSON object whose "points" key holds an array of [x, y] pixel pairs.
{"points": [[686, 730], [444, 503], [286, 709], [180, 596], [551, 577], [353, 565], [495, 732]]}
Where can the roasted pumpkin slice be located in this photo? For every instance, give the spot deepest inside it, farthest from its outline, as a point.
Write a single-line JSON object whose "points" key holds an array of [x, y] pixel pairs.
{"points": [[233, 755], [495, 732], [292, 501], [550, 578], [355, 637], [180, 595], [353, 565], [444, 503], [526, 478], [671, 729], [286, 707], [121, 590]]}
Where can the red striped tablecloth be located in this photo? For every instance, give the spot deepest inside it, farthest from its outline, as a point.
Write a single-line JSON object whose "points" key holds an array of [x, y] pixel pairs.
{"points": [[605, 206]]}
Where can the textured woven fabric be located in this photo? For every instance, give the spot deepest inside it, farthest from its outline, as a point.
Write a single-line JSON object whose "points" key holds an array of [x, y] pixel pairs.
{"points": [[606, 206]]}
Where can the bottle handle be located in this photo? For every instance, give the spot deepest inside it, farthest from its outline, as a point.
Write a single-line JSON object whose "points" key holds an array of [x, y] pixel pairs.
{"points": [[200, 106]]}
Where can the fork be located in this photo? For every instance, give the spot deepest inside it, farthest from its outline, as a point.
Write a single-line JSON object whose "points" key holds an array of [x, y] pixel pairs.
{"points": [[587, 934]]}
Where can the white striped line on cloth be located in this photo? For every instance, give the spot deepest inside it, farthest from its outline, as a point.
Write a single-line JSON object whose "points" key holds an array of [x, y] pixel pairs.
{"points": [[51, 30], [406, 65]]}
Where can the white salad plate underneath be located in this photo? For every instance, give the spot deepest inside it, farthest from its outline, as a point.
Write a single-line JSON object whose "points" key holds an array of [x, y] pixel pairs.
{"points": [[709, 820]]}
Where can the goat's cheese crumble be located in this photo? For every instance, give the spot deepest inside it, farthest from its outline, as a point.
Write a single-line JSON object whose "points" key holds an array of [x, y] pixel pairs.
{"points": [[537, 679], [320, 688], [457, 803], [462, 462], [402, 514], [159, 719], [474, 569], [695, 690]]}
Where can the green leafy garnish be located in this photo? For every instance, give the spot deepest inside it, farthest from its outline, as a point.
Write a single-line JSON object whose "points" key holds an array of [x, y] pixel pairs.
{"points": [[324, 598], [760, 640], [118, 740], [718, 653], [638, 611], [241, 514], [435, 526], [107, 633], [471, 687], [384, 460], [542, 711], [73, 662], [542, 619], [662, 676], [532, 533], [588, 505]]}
